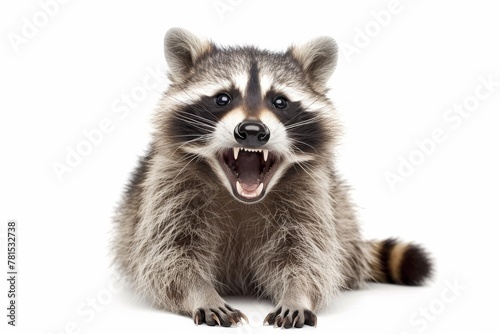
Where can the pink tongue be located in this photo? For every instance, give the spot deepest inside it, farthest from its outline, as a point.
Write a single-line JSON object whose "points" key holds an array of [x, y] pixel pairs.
{"points": [[249, 186], [249, 170]]}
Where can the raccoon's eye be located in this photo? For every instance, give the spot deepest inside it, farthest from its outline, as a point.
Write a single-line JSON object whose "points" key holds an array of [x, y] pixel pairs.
{"points": [[222, 99], [280, 102]]}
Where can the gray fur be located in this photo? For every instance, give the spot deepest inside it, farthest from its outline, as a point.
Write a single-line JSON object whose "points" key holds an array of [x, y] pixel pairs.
{"points": [[184, 241]]}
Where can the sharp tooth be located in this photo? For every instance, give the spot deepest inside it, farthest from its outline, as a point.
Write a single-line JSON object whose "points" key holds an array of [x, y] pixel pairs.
{"points": [[259, 189], [236, 151], [239, 189], [266, 154]]}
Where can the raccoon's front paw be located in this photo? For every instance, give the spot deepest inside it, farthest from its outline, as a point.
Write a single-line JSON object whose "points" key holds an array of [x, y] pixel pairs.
{"points": [[286, 317], [224, 316]]}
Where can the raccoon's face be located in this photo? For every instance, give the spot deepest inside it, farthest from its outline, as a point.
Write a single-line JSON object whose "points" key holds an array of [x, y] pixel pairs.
{"points": [[250, 114]]}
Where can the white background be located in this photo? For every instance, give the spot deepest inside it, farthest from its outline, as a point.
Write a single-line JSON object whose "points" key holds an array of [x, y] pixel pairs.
{"points": [[74, 71]]}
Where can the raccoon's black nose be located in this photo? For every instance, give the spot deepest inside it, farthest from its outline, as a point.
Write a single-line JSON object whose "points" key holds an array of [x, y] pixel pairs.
{"points": [[251, 133]]}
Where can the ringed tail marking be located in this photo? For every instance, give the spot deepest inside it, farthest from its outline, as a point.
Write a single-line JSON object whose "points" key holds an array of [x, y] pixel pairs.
{"points": [[397, 262]]}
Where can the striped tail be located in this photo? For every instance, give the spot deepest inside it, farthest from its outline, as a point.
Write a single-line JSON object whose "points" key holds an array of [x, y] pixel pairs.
{"points": [[399, 263]]}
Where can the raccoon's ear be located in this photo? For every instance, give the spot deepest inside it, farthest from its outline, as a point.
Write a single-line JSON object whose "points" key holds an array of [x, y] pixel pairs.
{"points": [[318, 58], [182, 50]]}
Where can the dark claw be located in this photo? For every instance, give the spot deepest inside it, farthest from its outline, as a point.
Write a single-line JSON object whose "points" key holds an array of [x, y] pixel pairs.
{"points": [[297, 323], [216, 318], [199, 317], [277, 321], [225, 317], [288, 322], [225, 323], [289, 319], [271, 317], [310, 318], [242, 316], [210, 320]]}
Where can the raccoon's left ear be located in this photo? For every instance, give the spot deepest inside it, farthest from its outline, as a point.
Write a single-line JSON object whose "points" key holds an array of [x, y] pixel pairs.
{"points": [[318, 57], [182, 50]]}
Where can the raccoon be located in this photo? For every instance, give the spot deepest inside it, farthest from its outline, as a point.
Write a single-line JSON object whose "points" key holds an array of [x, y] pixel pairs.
{"points": [[238, 193]]}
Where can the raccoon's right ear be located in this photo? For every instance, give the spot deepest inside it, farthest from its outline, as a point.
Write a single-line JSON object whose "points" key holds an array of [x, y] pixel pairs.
{"points": [[182, 50], [318, 58]]}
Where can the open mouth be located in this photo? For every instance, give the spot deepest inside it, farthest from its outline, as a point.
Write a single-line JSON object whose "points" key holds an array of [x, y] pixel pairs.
{"points": [[249, 171]]}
